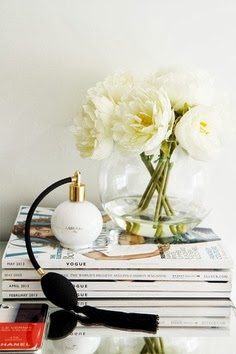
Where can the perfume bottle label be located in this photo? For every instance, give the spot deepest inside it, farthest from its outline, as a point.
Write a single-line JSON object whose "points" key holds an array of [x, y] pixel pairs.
{"points": [[74, 228]]}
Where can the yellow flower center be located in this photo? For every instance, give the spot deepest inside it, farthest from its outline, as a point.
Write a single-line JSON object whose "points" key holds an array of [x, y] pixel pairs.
{"points": [[146, 119], [203, 128]]}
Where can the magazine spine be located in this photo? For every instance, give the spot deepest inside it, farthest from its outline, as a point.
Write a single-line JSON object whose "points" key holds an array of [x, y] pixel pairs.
{"points": [[173, 322], [122, 285], [191, 331], [122, 294], [109, 264], [125, 274], [205, 304], [153, 302], [178, 311], [160, 302]]}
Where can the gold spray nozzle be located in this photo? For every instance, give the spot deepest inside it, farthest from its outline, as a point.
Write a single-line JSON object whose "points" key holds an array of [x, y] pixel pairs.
{"points": [[41, 272], [77, 190]]}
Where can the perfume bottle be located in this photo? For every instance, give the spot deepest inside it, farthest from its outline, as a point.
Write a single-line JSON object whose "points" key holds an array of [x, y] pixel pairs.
{"points": [[76, 223]]}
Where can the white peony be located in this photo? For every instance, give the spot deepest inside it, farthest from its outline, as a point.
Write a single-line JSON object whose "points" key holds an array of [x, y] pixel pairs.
{"points": [[198, 132], [140, 115], [93, 127], [114, 87], [142, 120], [185, 86]]}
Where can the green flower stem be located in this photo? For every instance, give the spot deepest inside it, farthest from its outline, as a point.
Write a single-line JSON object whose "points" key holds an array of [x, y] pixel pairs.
{"points": [[133, 227], [149, 345], [159, 230], [158, 182], [147, 161], [153, 346], [162, 345], [173, 229], [154, 184], [161, 200], [151, 187], [170, 210], [161, 192], [164, 203], [144, 350], [157, 345]]}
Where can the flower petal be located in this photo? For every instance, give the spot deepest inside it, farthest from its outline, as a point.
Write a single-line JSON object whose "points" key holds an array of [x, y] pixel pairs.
{"points": [[198, 132]]}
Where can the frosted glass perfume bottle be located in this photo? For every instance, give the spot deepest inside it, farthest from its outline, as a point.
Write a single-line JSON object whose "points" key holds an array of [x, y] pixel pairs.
{"points": [[76, 223]]}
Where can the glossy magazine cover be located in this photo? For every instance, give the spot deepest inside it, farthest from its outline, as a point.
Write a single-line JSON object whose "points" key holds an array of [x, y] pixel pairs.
{"points": [[114, 248]]}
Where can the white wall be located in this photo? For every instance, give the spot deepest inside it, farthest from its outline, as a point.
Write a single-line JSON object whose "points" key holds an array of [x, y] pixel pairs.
{"points": [[52, 51]]}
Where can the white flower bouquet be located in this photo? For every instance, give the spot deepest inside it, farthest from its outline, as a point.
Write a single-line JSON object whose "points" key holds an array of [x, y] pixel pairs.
{"points": [[152, 117]]}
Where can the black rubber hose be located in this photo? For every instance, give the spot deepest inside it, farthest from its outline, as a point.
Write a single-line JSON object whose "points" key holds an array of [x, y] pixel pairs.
{"points": [[30, 215]]}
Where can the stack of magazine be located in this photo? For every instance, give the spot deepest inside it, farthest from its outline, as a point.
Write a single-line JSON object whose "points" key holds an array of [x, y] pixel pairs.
{"points": [[187, 281]]}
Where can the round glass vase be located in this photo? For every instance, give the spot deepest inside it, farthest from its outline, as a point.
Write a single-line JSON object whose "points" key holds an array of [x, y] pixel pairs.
{"points": [[136, 193]]}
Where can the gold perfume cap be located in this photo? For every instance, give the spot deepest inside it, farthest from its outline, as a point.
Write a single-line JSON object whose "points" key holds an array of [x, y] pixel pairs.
{"points": [[77, 190]]}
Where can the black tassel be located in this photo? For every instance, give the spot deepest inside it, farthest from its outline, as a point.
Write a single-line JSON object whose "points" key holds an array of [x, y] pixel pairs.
{"points": [[119, 320], [60, 291]]}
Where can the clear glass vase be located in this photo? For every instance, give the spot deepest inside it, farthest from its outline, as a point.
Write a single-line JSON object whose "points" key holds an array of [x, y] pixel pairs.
{"points": [[182, 201]]}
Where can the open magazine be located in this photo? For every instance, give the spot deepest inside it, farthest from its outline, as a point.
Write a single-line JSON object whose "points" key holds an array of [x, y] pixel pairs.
{"points": [[200, 248]]}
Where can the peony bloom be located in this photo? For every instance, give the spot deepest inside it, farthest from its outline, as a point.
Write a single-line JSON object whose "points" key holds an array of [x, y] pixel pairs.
{"points": [[142, 120], [93, 127], [185, 86], [92, 130], [114, 87], [198, 132]]}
